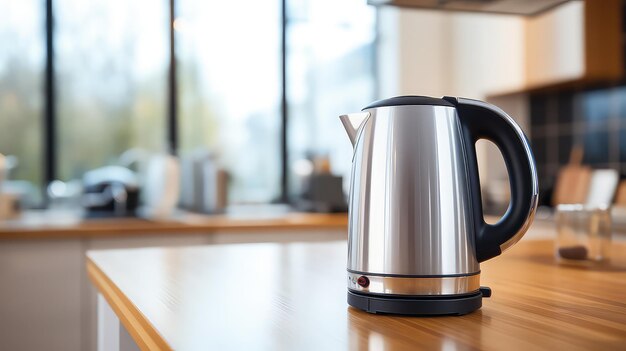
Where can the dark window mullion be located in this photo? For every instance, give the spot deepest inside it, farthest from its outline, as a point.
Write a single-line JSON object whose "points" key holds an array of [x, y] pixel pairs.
{"points": [[49, 113], [284, 181], [172, 103]]}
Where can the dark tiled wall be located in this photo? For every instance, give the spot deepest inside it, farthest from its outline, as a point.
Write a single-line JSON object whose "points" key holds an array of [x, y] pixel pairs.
{"points": [[594, 119]]}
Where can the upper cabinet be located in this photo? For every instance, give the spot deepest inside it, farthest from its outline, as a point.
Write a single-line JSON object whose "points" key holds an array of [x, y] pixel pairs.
{"points": [[577, 43], [563, 44]]}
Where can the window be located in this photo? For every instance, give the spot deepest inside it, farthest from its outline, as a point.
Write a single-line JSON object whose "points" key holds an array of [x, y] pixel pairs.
{"points": [[22, 61], [330, 72], [229, 90], [111, 80], [112, 58]]}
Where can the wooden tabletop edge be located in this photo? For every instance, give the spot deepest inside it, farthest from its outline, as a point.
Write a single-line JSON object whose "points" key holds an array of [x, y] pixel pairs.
{"points": [[137, 325]]}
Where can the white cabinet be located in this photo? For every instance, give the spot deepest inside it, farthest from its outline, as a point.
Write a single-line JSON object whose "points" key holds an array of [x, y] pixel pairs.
{"points": [[577, 43], [555, 45], [40, 294]]}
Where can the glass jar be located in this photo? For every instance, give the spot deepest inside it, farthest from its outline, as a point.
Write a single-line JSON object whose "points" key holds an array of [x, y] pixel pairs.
{"points": [[583, 232]]}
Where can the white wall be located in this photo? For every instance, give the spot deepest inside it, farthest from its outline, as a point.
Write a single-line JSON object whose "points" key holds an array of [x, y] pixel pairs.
{"points": [[425, 52], [488, 52], [414, 52]]}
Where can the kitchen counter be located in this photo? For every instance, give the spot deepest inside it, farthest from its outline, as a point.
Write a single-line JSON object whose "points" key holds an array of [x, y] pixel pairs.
{"points": [[64, 224], [293, 296], [45, 289]]}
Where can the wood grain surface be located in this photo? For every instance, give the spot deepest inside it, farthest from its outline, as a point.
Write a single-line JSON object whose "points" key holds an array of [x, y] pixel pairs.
{"points": [[572, 180], [293, 297]]}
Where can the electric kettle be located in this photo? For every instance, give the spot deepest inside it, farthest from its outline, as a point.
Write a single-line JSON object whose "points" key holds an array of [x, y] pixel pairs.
{"points": [[416, 227]]}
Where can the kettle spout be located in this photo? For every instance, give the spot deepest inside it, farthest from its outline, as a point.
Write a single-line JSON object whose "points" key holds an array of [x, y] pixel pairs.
{"points": [[352, 122]]}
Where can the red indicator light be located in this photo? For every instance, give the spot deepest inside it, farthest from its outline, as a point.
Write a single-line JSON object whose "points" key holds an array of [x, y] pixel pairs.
{"points": [[363, 281]]}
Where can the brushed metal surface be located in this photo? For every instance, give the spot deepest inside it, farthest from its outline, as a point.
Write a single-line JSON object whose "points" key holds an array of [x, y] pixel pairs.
{"points": [[415, 286], [409, 199], [352, 122]]}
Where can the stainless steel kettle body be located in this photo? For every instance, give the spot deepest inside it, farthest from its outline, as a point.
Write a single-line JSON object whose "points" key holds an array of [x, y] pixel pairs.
{"points": [[416, 228]]}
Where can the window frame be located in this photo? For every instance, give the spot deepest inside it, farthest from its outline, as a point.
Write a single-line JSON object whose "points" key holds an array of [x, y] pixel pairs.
{"points": [[50, 117]]}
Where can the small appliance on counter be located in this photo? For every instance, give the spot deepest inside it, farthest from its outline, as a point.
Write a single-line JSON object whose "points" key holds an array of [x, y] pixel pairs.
{"points": [[10, 204], [111, 191], [161, 187], [416, 227], [322, 191], [204, 184]]}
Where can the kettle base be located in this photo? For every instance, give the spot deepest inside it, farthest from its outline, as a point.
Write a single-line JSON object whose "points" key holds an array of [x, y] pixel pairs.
{"points": [[417, 305]]}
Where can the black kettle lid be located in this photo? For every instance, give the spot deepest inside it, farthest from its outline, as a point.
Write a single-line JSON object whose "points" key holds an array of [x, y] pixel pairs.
{"points": [[409, 100]]}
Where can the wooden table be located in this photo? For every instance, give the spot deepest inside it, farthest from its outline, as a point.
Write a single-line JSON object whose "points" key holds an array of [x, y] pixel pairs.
{"points": [[293, 297]]}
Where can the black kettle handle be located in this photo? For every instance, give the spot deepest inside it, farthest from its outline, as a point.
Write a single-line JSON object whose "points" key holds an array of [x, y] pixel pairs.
{"points": [[480, 120]]}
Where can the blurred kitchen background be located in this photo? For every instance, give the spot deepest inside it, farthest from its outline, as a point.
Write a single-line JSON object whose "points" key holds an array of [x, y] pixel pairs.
{"points": [[109, 83], [117, 114], [118, 108]]}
